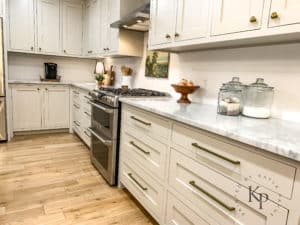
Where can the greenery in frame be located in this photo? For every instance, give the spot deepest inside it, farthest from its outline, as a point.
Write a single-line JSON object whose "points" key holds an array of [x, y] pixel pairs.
{"points": [[157, 64]]}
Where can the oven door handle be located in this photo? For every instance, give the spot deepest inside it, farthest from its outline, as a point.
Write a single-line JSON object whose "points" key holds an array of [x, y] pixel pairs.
{"points": [[106, 142], [110, 111]]}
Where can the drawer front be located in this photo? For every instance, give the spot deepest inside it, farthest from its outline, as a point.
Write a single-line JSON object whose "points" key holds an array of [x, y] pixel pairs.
{"points": [[144, 188], [146, 123], [86, 119], [76, 96], [86, 136], [180, 214], [85, 102], [235, 162], [216, 195], [145, 151]]}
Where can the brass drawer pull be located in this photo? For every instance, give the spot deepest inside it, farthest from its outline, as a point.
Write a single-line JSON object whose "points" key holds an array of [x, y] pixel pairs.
{"points": [[139, 148], [216, 154], [86, 113], [253, 19], [274, 15], [141, 121], [76, 123], [76, 106], [229, 208], [86, 133], [138, 183]]}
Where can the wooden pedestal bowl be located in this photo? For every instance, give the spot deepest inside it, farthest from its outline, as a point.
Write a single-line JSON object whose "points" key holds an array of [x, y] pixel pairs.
{"points": [[184, 91]]}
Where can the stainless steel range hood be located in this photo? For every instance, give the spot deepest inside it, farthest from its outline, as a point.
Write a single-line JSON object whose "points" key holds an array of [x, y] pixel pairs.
{"points": [[137, 20]]}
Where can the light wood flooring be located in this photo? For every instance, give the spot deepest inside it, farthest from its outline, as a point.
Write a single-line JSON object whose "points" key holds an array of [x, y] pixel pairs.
{"points": [[49, 180]]}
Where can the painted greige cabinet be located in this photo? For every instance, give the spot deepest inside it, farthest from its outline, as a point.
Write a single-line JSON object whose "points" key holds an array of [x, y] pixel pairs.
{"points": [[162, 21], [48, 26], [21, 25], [230, 16], [27, 108], [56, 101], [284, 12], [72, 27], [40, 107]]}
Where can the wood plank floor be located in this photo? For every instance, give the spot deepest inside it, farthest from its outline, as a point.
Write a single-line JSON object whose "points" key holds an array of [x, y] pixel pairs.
{"points": [[49, 180]]}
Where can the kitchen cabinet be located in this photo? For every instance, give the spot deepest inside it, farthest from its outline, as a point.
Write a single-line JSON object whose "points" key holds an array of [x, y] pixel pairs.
{"points": [[40, 107], [48, 26], [203, 178], [81, 114], [230, 16], [21, 25], [192, 19], [56, 107], [27, 108], [284, 13], [72, 27], [162, 21]]}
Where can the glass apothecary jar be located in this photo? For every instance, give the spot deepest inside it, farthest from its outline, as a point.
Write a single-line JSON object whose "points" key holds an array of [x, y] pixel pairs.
{"points": [[230, 100], [258, 99]]}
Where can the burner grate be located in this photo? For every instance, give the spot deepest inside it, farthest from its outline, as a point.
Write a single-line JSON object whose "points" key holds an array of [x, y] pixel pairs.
{"points": [[132, 92]]}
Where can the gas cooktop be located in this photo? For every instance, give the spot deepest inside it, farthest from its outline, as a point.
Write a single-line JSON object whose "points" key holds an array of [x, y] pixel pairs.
{"points": [[110, 96], [131, 92]]}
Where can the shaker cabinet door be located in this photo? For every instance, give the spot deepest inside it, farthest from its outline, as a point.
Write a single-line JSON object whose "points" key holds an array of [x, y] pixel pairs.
{"points": [[232, 16], [48, 22], [72, 27], [192, 19], [162, 21], [284, 12], [27, 108], [56, 107], [21, 25]]}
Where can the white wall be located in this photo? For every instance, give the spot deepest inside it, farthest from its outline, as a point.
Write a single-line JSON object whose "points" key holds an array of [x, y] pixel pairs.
{"points": [[31, 67], [279, 65]]}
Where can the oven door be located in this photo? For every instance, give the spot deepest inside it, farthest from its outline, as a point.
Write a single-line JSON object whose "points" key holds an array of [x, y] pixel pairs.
{"points": [[103, 156], [105, 119]]}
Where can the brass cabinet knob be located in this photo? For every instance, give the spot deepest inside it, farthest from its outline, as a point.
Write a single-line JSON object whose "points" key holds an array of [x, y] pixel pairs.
{"points": [[253, 19], [176, 35], [168, 36], [32, 48], [40, 49], [65, 51], [274, 15]]}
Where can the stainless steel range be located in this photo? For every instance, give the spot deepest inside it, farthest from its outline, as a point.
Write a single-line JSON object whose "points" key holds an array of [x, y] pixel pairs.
{"points": [[106, 127]]}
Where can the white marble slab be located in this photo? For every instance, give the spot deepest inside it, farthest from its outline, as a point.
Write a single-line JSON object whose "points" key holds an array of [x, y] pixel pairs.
{"points": [[88, 86], [273, 135]]}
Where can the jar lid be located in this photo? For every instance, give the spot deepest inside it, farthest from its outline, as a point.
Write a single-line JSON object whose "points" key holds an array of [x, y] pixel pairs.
{"points": [[234, 84], [261, 85]]}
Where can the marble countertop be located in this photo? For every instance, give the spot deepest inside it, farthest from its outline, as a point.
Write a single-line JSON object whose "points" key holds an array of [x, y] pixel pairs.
{"points": [[88, 86], [273, 135]]}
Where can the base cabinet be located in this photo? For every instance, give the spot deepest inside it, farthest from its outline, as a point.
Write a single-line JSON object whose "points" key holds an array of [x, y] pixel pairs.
{"points": [[40, 107], [203, 189]]}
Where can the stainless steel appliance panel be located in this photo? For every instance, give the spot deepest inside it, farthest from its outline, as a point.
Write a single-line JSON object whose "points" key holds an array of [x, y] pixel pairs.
{"points": [[3, 134]]}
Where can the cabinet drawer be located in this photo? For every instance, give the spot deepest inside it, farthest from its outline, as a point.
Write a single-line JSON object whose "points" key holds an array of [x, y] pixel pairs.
{"points": [[145, 151], [146, 123], [211, 193], [179, 214], [85, 102], [76, 97], [234, 161], [146, 190], [86, 136]]}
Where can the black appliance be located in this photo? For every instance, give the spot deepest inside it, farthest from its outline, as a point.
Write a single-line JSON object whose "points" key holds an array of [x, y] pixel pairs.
{"points": [[50, 70], [106, 125]]}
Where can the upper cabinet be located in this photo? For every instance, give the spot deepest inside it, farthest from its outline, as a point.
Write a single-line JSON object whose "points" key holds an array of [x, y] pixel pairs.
{"points": [[72, 27], [178, 20], [48, 26], [230, 16], [183, 25], [21, 25], [284, 12], [100, 39], [162, 21]]}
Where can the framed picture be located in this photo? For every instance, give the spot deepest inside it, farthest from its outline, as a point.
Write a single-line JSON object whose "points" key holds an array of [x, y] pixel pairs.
{"points": [[157, 64]]}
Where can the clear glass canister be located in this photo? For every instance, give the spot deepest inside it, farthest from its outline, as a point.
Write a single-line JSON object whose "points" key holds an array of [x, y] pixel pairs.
{"points": [[231, 98], [258, 100]]}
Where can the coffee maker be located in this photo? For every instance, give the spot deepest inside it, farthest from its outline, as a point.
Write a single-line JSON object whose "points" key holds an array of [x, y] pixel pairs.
{"points": [[50, 70]]}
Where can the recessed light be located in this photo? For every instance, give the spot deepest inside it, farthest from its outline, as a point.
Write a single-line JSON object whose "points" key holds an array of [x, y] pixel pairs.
{"points": [[125, 26], [139, 21]]}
